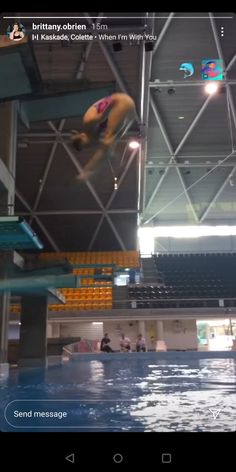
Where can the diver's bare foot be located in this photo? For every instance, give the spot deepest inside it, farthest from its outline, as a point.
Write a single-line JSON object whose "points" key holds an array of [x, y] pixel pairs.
{"points": [[84, 176], [75, 141]]}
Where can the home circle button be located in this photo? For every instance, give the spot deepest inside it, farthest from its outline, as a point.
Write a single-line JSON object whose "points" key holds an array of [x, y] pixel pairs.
{"points": [[118, 458]]}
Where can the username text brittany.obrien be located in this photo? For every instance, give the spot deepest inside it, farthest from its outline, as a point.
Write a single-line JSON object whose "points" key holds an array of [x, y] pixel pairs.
{"points": [[54, 27]]}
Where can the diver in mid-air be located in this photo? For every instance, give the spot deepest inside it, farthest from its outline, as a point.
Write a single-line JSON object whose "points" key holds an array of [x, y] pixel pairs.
{"points": [[103, 124]]}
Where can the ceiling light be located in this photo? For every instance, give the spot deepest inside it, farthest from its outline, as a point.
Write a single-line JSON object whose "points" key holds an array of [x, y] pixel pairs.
{"points": [[181, 117], [211, 88], [134, 144]]}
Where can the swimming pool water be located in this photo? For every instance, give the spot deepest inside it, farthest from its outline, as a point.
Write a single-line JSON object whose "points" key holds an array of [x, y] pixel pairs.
{"points": [[125, 395]]}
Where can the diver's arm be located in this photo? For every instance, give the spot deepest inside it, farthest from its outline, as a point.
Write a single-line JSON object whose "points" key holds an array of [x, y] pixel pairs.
{"points": [[99, 155]]}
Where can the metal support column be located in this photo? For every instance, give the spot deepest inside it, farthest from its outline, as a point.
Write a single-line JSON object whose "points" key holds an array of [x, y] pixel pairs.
{"points": [[8, 133]]}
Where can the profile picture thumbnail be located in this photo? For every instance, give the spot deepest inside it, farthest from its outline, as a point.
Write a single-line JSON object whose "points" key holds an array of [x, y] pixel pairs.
{"points": [[212, 69], [16, 31]]}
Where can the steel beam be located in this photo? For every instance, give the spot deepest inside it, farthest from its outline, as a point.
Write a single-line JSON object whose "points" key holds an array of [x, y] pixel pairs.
{"points": [[146, 66], [119, 239], [172, 154], [231, 62], [113, 194], [216, 196], [84, 60], [114, 68], [92, 190], [44, 178], [187, 166], [127, 211], [163, 32], [79, 168], [93, 239], [220, 53], [195, 216], [145, 102], [191, 83], [129, 162], [168, 145], [193, 124], [196, 156], [188, 188], [6, 178], [48, 135], [87, 52]]}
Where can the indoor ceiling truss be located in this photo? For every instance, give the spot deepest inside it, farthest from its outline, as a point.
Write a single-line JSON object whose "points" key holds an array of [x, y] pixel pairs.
{"points": [[172, 161], [57, 137]]}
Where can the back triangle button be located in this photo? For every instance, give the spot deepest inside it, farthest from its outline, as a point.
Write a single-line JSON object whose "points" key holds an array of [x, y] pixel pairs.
{"points": [[70, 458]]}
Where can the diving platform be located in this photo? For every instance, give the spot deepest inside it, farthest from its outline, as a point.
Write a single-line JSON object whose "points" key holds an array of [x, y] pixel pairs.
{"points": [[16, 233], [20, 74]]}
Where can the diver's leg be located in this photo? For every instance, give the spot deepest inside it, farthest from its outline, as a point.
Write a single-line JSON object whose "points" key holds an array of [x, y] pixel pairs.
{"points": [[120, 116]]}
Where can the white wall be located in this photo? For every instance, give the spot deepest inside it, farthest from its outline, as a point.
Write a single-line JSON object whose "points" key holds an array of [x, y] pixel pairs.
{"points": [[114, 330], [203, 244], [151, 334], [53, 330], [83, 330], [49, 330], [185, 339]]}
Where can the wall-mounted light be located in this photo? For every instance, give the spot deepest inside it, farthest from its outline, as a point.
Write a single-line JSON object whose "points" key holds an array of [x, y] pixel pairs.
{"points": [[133, 144], [211, 88]]}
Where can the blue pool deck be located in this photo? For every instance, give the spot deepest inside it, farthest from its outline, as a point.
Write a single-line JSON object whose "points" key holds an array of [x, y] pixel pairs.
{"points": [[168, 355]]}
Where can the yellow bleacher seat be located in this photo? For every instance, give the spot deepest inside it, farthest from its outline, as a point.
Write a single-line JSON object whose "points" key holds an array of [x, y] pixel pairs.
{"points": [[99, 296]]}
